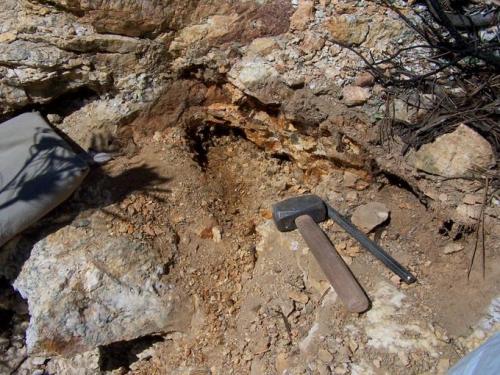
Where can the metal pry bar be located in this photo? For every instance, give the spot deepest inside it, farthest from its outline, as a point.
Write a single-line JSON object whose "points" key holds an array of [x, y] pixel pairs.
{"points": [[371, 246]]}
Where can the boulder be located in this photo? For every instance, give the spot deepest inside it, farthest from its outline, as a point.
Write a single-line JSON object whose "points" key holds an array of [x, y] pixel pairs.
{"points": [[454, 154], [85, 291]]}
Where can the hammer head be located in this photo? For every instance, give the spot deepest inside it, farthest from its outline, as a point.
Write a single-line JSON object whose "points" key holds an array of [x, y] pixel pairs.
{"points": [[285, 212]]}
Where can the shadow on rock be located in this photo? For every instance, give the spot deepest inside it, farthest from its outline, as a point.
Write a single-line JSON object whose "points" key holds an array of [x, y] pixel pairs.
{"points": [[99, 190]]}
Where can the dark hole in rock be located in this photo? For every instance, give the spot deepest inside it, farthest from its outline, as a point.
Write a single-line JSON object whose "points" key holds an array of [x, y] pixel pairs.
{"points": [[122, 354], [462, 231], [201, 138], [455, 231], [394, 179], [62, 105], [281, 156], [70, 102], [5, 319], [446, 227], [13, 310]]}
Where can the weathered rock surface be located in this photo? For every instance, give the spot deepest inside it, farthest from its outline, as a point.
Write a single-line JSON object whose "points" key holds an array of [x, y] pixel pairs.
{"points": [[50, 53], [87, 363], [253, 76], [456, 154], [84, 292], [133, 18], [303, 15], [371, 29], [348, 29], [262, 46], [369, 216]]}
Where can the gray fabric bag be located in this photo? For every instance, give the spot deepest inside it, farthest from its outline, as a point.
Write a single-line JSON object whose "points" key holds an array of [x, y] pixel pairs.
{"points": [[38, 171]]}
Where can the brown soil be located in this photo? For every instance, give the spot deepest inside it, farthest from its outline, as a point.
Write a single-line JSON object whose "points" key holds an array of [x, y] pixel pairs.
{"points": [[236, 327]]}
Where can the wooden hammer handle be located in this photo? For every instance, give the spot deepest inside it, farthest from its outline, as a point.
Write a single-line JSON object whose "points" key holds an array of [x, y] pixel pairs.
{"points": [[332, 264]]}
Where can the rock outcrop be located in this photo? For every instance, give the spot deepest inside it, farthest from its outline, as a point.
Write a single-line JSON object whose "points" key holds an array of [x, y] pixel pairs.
{"points": [[46, 53]]}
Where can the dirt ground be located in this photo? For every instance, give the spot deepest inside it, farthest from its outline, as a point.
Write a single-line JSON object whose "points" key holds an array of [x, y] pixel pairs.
{"points": [[260, 303], [256, 301]]}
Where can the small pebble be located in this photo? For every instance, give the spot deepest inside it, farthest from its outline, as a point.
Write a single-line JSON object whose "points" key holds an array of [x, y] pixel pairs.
{"points": [[395, 280]]}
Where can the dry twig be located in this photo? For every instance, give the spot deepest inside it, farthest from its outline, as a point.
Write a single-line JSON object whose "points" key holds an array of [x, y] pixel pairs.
{"points": [[480, 228]]}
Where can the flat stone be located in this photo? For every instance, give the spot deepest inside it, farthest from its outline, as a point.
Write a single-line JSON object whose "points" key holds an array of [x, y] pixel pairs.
{"points": [[354, 181], [7, 37], [350, 179], [472, 199], [455, 154], [262, 46], [260, 344], [325, 356], [468, 213], [368, 216], [355, 95]]}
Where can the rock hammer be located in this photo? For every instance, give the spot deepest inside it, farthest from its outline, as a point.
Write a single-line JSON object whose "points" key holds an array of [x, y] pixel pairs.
{"points": [[303, 213]]}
